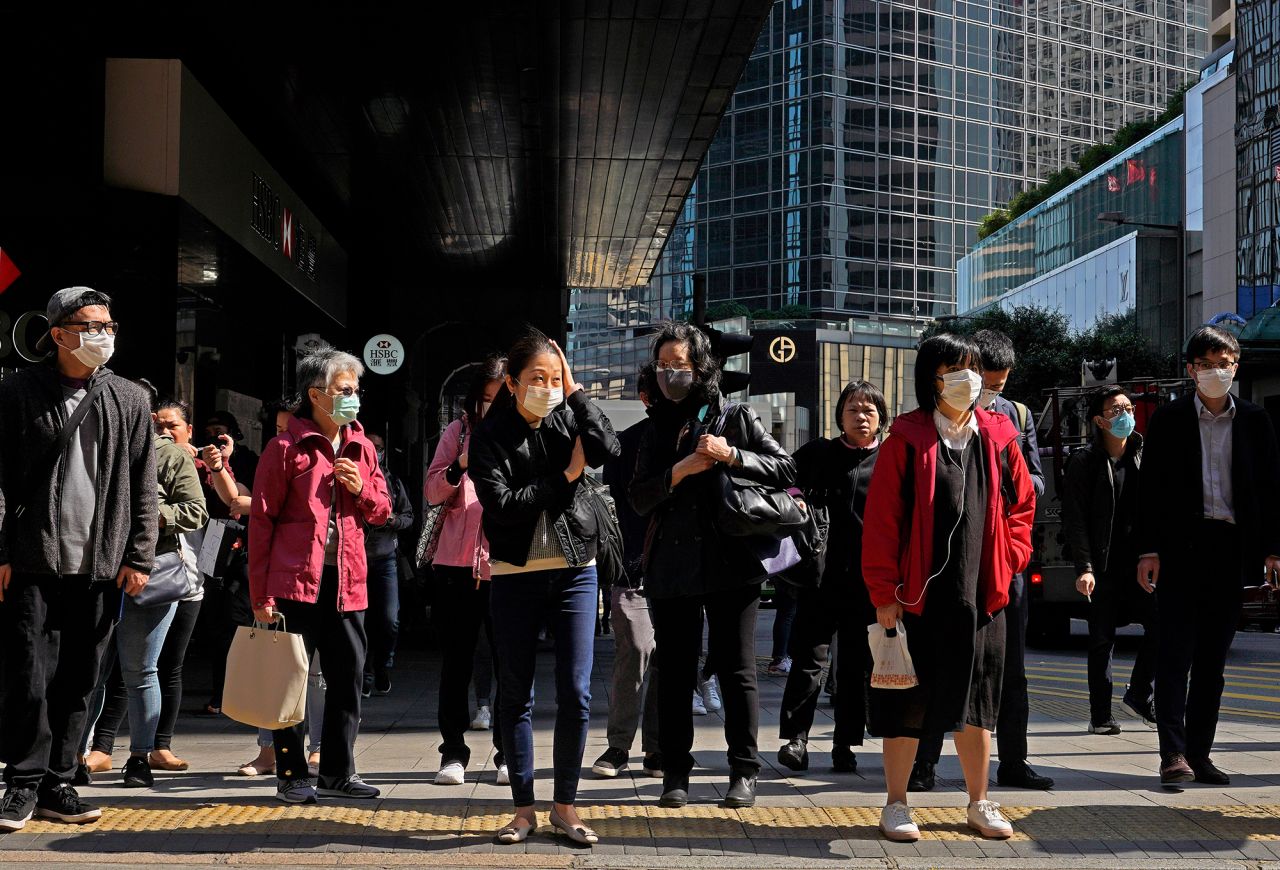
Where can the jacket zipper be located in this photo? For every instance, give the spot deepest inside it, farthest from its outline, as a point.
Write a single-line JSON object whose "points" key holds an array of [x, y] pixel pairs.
{"points": [[337, 521], [1111, 520]]}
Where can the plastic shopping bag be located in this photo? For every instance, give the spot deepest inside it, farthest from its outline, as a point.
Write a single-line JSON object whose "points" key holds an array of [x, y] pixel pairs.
{"points": [[892, 667]]}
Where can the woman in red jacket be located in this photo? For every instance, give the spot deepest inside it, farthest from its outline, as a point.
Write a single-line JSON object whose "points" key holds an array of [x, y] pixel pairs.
{"points": [[948, 524], [316, 487]]}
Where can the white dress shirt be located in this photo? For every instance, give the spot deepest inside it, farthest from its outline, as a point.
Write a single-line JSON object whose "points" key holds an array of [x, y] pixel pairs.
{"points": [[1215, 460], [955, 436]]}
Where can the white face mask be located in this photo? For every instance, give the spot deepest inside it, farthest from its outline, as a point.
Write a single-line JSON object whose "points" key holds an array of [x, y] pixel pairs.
{"points": [[1215, 383], [988, 398], [94, 350], [961, 389], [541, 401]]}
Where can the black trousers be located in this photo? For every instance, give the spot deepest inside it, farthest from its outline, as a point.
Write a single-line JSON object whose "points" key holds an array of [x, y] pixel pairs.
{"points": [[731, 622], [1015, 709], [820, 614], [1117, 598], [55, 631], [340, 637], [1199, 600], [116, 702], [228, 608], [461, 611]]}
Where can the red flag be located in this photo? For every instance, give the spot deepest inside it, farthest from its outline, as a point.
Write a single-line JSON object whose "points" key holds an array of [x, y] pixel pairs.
{"points": [[1137, 172], [1113, 184], [8, 271]]}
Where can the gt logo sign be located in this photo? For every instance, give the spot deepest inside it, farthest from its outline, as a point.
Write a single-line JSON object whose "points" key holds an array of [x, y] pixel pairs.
{"points": [[384, 354], [782, 349]]}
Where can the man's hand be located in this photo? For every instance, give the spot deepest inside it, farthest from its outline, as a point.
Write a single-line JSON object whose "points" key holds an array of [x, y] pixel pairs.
{"points": [[131, 580], [1148, 573], [462, 461], [716, 447], [889, 615], [1085, 584], [213, 458], [577, 461], [6, 574], [267, 614], [226, 446], [348, 474], [1271, 572]]}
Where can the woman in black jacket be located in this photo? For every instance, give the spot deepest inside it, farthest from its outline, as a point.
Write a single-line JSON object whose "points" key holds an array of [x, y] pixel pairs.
{"points": [[835, 473], [690, 565], [526, 462], [1099, 516]]}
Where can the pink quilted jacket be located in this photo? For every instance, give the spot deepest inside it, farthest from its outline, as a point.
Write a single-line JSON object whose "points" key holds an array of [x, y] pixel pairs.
{"points": [[462, 542]]}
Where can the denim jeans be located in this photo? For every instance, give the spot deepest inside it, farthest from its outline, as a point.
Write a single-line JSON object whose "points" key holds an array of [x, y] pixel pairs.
{"points": [[139, 639], [382, 619], [516, 603]]}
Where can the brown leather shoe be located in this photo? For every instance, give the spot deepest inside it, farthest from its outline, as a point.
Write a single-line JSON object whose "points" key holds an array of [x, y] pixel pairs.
{"points": [[1174, 769], [1207, 773]]}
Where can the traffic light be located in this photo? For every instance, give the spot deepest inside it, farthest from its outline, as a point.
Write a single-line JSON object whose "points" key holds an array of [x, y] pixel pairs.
{"points": [[724, 345]]}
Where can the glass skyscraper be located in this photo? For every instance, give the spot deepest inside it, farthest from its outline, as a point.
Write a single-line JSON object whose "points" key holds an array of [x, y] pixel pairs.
{"points": [[867, 138], [1257, 65]]}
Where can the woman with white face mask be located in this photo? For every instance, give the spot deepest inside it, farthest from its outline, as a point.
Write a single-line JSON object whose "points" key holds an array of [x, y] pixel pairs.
{"points": [[947, 525], [527, 460], [460, 602]]}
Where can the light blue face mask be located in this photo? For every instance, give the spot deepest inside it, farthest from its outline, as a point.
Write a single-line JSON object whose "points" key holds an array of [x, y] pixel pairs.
{"points": [[345, 408], [1122, 425]]}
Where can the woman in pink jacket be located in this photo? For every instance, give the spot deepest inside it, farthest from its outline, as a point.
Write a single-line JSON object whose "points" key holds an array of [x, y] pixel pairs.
{"points": [[461, 576], [316, 487]]}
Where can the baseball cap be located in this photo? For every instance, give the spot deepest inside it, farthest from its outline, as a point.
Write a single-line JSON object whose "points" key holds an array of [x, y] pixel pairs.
{"points": [[63, 304]]}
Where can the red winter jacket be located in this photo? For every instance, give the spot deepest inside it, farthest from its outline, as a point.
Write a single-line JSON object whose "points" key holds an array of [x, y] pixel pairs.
{"points": [[897, 548], [289, 520]]}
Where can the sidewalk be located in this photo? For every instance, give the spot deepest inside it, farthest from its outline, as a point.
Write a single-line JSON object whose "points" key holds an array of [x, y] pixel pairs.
{"points": [[1107, 810]]}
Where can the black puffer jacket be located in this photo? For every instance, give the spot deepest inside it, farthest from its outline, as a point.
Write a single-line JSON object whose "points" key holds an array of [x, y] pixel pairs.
{"points": [[831, 473], [1093, 524], [686, 554], [518, 473]]}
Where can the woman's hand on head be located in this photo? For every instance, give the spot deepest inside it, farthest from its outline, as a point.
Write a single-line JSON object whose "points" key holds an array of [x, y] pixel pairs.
{"points": [[570, 385]]}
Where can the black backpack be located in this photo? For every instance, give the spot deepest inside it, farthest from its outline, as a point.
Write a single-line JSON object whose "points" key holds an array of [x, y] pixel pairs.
{"points": [[611, 563]]}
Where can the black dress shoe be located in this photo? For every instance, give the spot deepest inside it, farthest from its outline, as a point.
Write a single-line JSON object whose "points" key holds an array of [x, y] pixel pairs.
{"points": [[795, 755], [137, 773], [843, 760], [742, 791], [922, 777], [1207, 773], [674, 798], [1022, 776]]}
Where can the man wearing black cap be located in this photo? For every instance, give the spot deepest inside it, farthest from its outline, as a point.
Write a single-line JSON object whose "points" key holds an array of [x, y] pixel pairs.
{"points": [[78, 526]]}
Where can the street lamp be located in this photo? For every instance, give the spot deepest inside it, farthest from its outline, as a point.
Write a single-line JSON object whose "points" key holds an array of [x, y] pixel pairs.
{"points": [[1118, 218]]}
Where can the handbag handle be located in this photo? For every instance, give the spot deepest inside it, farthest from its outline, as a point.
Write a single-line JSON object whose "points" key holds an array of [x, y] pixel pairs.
{"points": [[266, 626]]}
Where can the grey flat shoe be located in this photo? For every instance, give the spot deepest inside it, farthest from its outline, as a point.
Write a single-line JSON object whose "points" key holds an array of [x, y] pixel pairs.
{"points": [[578, 833]]}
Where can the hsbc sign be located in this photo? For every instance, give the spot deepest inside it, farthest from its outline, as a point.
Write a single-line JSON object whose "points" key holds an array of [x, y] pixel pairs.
{"points": [[383, 354], [282, 229]]}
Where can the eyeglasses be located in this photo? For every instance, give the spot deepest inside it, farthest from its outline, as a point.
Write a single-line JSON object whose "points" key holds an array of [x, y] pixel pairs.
{"points": [[1117, 411], [1205, 366], [93, 327], [673, 367], [347, 391]]}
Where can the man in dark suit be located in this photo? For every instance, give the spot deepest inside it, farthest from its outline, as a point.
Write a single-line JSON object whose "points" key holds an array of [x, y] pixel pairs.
{"points": [[1209, 525], [998, 360]]}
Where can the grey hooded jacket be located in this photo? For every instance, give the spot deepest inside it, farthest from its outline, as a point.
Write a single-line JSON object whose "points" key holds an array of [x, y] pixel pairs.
{"points": [[125, 521]]}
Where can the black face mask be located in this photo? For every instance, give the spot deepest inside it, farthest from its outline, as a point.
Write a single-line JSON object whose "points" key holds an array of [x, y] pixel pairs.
{"points": [[675, 384]]}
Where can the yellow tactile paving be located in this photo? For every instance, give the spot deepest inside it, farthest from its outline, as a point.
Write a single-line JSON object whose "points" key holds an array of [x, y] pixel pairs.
{"points": [[637, 822]]}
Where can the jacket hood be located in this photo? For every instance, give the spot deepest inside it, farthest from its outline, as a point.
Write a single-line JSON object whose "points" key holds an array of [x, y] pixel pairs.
{"points": [[918, 428]]}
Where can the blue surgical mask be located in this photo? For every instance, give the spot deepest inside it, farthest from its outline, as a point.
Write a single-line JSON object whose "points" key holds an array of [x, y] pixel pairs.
{"points": [[345, 408], [1122, 425]]}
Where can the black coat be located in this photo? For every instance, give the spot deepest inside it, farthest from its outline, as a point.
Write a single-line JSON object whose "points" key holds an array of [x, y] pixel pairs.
{"points": [[686, 554], [1173, 492], [832, 474], [518, 473], [618, 473], [1090, 523]]}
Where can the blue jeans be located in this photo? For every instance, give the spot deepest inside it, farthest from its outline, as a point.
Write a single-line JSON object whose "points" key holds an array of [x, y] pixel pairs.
{"points": [[516, 603], [382, 619], [139, 639]]}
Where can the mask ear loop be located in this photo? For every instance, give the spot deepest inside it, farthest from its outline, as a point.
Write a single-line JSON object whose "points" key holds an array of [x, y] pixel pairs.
{"points": [[964, 484]]}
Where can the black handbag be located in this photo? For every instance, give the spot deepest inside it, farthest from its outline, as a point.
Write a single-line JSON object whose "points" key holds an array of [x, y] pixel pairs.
{"points": [[433, 519], [611, 563], [748, 507], [811, 544]]}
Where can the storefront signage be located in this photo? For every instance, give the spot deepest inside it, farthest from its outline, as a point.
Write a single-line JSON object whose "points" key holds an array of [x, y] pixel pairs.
{"points": [[782, 349], [282, 228], [8, 271], [384, 354], [20, 334]]}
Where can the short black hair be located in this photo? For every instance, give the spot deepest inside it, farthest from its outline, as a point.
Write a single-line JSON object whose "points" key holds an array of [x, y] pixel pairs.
{"points": [[287, 403], [997, 350], [226, 418], [1211, 338], [866, 391], [1099, 397], [706, 368], [183, 409], [647, 382], [943, 349], [492, 368]]}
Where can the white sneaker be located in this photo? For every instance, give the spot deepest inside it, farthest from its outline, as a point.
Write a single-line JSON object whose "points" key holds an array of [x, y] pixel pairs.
{"points": [[897, 825], [452, 773], [985, 818], [504, 776], [699, 708], [483, 720], [710, 691]]}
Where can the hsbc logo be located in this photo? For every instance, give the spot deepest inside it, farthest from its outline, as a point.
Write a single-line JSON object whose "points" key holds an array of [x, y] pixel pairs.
{"points": [[282, 229], [384, 344]]}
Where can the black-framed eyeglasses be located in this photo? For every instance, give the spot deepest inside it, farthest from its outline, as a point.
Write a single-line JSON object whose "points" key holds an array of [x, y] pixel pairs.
{"points": [[347, 391], [93, 327], [1117, 411], [1201, 365]]}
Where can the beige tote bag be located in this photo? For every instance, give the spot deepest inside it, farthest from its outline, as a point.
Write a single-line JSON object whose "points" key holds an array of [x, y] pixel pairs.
{"points": [[266, 677]]}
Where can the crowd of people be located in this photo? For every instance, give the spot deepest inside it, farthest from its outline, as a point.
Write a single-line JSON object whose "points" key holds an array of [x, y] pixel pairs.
{"points": [[115, 529]]}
